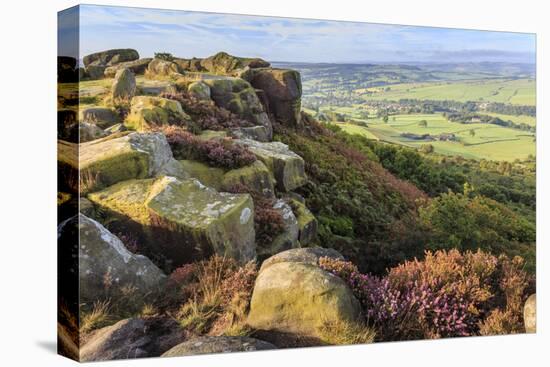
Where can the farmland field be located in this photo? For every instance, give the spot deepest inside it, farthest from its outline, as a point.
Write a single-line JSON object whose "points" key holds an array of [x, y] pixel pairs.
{"points": [[488, 142], [518, 92]]}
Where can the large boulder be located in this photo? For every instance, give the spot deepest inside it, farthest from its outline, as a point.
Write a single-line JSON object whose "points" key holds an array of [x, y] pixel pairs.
{"points": [[288, 238], [66, 70], [147, 112], [159, 68], [95, 70], [101, 116], [102, 256], [225, 64], [137, 67], [192, 64], [218, 344], [111, 57], [283, 89], [287, 167], [182, 220], [67, 125], [115, 158], [132, 338], [307, 255], [530, 314], [299, 298], [238, 96], [199, 90], [124, 85]]}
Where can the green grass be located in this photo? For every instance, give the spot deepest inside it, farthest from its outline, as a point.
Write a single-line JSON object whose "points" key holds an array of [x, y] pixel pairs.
{"points": [[490, 141], [518, 91], [529, 120]]}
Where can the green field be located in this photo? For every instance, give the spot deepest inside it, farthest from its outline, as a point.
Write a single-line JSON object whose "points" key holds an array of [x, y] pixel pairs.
{"points": [[490, 141], [513, 91], [529, 120]]}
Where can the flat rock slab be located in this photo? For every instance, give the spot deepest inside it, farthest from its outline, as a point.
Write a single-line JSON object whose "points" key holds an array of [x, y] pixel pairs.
{"points": [[287, 167], [132, 338], [218, 344], [103, 256], [120, 157], [183, 220]]}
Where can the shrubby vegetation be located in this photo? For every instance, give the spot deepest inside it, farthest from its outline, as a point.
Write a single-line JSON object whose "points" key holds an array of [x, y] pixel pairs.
{"points": [[205, 114], [216, 152], [448, 294]]}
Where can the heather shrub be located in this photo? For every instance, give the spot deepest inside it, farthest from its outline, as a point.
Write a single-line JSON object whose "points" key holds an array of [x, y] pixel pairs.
{"points": [[206, 114], [215, 152], [448, 294], [220, 298]]}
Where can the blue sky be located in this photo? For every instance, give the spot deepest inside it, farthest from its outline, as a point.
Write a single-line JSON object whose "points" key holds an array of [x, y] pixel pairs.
{"points": [[188, 34]]}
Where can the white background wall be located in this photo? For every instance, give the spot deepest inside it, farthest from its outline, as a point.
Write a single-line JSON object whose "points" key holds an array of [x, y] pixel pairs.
{"points": [[28, 181]]}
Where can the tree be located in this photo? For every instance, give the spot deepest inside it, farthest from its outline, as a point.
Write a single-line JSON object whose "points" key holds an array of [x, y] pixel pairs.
{"points": [[472, 132], [423, 123], [385, 119], [427, 148]]}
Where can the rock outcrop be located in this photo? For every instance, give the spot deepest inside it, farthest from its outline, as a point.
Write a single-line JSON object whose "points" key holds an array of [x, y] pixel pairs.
{"points": [[183, 220], [111, 57], [225, 64], [199, 90], [530, 314], [283, 89], [124, 85], [105, 265], [287, 167], [299, 298], [238, 96], [307, 223], [159, 68], [137, 67], [218, 344], [132, 338], [147, 112], [96, 63]]}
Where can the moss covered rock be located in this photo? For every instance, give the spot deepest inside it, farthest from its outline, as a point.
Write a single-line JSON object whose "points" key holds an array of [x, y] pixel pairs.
{"points": [[101, 116], [199, 90], [218, 344], [88, 132], [147, 112], [137, 67], [283, 89], [159, 68], [182, 220], [113, 159], [307, 255], [287, 167], [224, 63], [530, 314], [300, 298], [124, 85], [111, 57], [307, 223], [105, 265], [193, 64], [238, 96], [209, 176]]}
